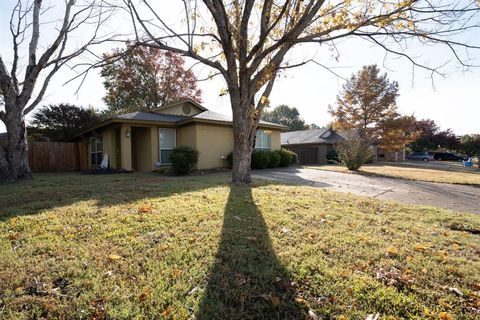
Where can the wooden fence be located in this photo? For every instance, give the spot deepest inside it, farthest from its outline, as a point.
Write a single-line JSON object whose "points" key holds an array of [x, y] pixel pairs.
{"points": [[57, 156]]}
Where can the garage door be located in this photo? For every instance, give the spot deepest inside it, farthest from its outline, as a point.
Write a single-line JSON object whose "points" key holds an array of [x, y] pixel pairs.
{"points": [[306, 155]]}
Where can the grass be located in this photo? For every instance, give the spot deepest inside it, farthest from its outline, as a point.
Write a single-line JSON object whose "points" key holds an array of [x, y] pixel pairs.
{"points": [[141, 246], [412, 172]]}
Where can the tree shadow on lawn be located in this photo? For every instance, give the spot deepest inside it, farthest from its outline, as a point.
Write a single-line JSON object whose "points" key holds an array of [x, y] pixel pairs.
{"points": [[247, 281], [53, 190]]}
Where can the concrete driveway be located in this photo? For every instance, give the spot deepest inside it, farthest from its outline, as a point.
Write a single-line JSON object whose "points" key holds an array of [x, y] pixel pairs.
{"points": [[458, 198]]}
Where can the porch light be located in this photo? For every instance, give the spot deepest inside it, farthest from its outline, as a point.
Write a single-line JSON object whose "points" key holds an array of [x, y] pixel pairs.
{"points": [[127, 133]]}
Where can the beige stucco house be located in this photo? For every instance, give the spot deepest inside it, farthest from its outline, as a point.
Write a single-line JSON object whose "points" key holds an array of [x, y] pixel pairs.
{"points": [[144, 140]]}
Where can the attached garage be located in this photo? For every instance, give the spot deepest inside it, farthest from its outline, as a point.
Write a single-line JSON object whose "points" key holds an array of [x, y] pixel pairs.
{"points": [[311, 146]]}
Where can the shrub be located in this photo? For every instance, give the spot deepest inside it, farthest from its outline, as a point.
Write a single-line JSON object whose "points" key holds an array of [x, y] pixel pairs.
{"points": [[285, 157], [332, 156], [183, 160], [260, 159], [354, 151], [274, 159], [294, 158]]}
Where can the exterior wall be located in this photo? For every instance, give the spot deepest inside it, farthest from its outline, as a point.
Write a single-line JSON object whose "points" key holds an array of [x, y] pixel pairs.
{"points": [[187, 136], [154, 145], [141, 149], [213, 142], [126, 147], [108, 145], [275, 143], [179, 110]]}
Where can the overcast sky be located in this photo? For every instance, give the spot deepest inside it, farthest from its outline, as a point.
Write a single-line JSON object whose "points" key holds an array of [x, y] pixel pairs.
{"points": [[451, 101]]}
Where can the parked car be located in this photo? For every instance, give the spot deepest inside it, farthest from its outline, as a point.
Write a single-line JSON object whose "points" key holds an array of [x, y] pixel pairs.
{"points": [[448, 156], [420, 156]]}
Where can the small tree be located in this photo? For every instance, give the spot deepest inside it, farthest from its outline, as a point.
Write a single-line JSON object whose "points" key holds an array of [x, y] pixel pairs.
{"points": [[354, 151], [368, 99], [142, 78], [396, 132], [59, 122]]}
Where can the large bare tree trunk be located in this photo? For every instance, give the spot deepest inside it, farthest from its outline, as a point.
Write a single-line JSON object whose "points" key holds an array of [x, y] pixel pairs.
{"points": [[14, 156], [242, 141]]}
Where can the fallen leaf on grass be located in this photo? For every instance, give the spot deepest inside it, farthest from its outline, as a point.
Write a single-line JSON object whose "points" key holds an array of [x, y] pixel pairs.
{"points": [[456, 291], [272, 298], [166, 312], [444, 316], [421, 247], [114, 257], [145, 294], [312, 315], [145, 208], [392, 252]]}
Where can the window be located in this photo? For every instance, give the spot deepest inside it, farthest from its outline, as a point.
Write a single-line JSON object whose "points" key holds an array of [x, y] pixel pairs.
{"points": [[95, 151], [168, 141], [262, 140]]}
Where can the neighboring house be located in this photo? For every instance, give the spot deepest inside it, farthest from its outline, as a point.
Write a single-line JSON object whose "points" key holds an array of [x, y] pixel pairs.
{"points": [[312, 146], [144, 140]]}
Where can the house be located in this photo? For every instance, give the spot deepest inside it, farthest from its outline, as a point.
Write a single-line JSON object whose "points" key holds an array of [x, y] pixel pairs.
{"points": [[312, 145], [144, 140]]}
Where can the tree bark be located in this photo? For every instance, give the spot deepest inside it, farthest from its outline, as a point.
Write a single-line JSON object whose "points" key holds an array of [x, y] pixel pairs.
{"points": [[243, 138], [14, 156]]}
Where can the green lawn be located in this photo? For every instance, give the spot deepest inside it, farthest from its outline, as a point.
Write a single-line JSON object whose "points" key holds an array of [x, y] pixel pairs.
{"points": [[142, 246], [412, 171]]}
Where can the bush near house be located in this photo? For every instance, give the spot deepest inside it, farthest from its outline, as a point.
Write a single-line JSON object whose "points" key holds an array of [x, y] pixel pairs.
{"points": [[354, 152], [183, 160], [274, 159], [286, 157], [262, 159], [332, 156]]}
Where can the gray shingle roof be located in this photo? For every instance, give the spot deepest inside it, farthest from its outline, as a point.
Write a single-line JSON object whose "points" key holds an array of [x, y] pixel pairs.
{"points": [[321, 135], [215, 116], [150, 116], [163, 117]]}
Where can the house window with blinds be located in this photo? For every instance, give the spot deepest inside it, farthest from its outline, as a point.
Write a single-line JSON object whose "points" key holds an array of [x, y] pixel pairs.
{"points": [[168, 141], [95, 151], [263, 140]]}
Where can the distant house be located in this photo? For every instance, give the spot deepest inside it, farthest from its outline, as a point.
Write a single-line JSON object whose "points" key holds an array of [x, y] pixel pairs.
{"points": [[312, 145], [144, 140]]}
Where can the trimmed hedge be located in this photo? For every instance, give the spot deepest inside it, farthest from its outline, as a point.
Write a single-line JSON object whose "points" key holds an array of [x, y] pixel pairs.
{"points": [[285, 157], [274, 159], [183, 160], [260, 159]]}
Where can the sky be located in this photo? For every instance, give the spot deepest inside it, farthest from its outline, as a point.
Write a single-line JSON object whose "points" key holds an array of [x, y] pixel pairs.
{"points": [[452, 101]]}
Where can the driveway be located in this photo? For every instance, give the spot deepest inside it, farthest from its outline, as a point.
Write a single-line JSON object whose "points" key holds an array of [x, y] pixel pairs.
{"points": [[459, 198]]}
